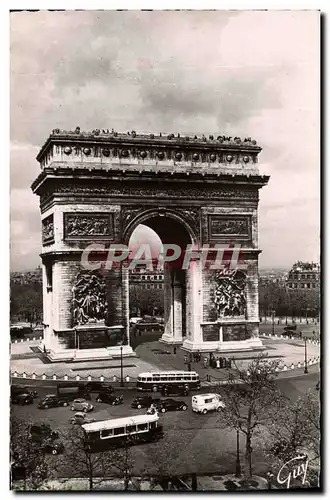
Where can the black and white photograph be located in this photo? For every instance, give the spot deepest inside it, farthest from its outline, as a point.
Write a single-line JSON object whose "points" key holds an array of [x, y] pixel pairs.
{"points": [[165, 251]]}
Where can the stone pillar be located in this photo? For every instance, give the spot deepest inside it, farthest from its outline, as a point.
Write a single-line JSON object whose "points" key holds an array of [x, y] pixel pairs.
{"points": [[114, 297], [168, 305], [125, 299], [47, 293], [177, 309], [194, 339]]}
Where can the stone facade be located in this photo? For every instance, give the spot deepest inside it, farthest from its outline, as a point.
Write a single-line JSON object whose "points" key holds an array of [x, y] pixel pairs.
{"points": [[97, 187]]}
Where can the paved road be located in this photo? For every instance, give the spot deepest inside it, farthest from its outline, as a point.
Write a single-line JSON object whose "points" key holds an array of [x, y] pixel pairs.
{"points": [[192, 442]]}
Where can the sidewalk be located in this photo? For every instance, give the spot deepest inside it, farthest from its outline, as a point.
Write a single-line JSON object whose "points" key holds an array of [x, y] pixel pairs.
{"points": [[155, 356], [213, 482]]}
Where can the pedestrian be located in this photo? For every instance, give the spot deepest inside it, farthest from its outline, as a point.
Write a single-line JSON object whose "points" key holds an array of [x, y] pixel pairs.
{"points": [[174, 350], [205, 362], [185, 360], [218, 363], [199, 357]]}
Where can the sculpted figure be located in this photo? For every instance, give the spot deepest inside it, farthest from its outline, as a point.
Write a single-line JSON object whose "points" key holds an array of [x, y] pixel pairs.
{"points": [[229, 296], [89, 299]]}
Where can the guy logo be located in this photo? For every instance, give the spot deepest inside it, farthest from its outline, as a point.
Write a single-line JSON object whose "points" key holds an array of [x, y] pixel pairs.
{"points": [[294, 468]]}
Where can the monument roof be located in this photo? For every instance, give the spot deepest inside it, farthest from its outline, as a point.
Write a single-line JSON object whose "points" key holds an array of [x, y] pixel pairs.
{"points": [[133, 138]]}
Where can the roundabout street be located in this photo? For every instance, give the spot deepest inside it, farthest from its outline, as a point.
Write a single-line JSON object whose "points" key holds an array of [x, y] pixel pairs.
{"points": [[191, 443]]}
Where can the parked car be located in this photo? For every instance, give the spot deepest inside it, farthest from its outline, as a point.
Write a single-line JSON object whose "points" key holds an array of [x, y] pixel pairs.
{"points": [[98, 387], [143, 402], [170, 405], [81, 405], [80, 418], [203, 403], [105, 397], [20, 389], [40, 432], [21, 399], [52, 447], [175, 390], [52, 401]]}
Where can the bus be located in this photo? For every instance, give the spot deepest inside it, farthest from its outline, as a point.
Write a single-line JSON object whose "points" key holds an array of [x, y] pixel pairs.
{"points": [[120, 432], [157, 381]]}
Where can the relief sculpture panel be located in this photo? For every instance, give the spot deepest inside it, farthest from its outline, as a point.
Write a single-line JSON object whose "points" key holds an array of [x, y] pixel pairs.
{"points": [[89, 303], [229, 227], [48, 230], [88, 226], [230, 293]]}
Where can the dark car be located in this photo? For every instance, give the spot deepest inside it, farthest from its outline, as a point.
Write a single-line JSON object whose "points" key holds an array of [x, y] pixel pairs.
{"points": [[143, 402], [170, 405], [21, 399], [98, 387], [52, 447], [105, 397], [41, 432], [175, 390], [15, 390], [52, 401]]}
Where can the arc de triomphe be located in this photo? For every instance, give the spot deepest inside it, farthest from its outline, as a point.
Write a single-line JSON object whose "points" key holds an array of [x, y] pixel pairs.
{"points": [[97, 187]]}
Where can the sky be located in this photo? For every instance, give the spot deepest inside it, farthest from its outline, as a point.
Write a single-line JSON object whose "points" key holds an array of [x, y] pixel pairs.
{"points": [[251, 74]]}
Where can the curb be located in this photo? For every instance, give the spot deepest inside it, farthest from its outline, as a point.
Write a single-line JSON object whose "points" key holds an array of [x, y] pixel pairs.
{"points": [[20, 341], [288, 337]]}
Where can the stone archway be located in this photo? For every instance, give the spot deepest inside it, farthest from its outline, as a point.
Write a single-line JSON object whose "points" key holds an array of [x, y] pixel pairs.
{"points": [[96, 187], [180, 307]]}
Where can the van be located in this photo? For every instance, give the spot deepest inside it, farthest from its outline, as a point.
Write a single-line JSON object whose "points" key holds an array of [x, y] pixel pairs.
{"points": [[203, 403], [72, 391]]}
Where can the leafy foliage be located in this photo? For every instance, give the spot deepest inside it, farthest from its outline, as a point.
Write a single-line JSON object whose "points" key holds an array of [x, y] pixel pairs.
{"points": [[146, 300], [95, 466], [249, 405], [28, 455], [295, 428]]}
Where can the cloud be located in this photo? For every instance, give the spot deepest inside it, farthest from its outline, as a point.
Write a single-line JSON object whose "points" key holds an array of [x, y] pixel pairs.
{"points": [[248, 73]]}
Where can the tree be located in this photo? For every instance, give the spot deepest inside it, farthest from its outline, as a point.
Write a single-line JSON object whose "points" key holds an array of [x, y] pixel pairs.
{"points": [[26, 302], [27, 456], [249, 404], [295, 427], [95, 466], [146, 300]]}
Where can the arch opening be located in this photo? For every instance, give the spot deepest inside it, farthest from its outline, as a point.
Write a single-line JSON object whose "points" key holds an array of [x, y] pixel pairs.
{"points": [[158, 292]]}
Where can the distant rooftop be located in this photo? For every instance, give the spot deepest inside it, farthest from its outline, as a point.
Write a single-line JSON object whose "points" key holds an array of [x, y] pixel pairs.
{"points": [[305, 266]]}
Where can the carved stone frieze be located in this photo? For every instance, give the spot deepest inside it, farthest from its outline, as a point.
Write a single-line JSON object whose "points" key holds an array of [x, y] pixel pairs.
{"points": [[230, 293], [128, 213], [48, 230], [189, 192], [153, 153], [89, 303], [88, 225], [224, 226]]}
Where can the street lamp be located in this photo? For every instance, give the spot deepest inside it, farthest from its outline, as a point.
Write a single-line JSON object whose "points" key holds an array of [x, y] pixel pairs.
{"points": [[306, 369], [121, 367], [238, 463]]}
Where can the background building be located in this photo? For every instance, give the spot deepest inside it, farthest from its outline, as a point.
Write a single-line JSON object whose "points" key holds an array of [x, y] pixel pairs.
{"points": [[304, 275], [148, 280]]}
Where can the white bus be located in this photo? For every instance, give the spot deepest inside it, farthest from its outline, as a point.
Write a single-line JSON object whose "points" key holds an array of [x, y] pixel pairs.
{"points": [[157, 381], [119, 432]]}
